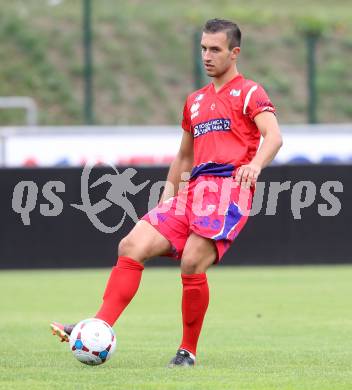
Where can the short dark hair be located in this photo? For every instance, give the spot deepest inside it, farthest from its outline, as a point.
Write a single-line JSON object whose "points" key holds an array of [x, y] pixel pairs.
{"points": [[231, 29]]}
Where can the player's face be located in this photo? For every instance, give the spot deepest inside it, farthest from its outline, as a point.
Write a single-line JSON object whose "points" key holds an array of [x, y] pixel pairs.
{"points": [[216, 55]]}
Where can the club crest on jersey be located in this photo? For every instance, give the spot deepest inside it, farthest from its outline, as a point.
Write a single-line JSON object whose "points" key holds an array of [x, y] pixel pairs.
{"points": [[235, 92]]}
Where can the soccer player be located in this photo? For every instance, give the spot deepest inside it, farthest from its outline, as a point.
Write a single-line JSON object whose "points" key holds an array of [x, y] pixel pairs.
{"points": [[222, 126]]}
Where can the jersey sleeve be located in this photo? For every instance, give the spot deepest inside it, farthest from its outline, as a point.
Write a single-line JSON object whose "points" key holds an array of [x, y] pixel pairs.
{"points": [[186, 120], [257, 101]]}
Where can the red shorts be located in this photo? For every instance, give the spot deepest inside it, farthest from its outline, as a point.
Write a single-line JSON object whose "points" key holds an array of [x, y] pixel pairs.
{"points": [[210, 206]]}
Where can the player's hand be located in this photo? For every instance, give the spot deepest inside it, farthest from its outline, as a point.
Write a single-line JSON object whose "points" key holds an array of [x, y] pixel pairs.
{"points": [[247, 175]]}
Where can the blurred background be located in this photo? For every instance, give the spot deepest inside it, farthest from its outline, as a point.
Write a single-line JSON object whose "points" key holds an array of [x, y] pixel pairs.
{"points": [[107, 63], [143, 57], [105, 82]]}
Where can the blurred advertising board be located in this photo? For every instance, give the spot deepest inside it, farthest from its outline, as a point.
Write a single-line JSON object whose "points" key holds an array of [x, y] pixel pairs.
{"points": [[149, 145]]}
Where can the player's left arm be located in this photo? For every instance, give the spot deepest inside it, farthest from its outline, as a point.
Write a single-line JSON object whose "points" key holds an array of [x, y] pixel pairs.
{"points": [[268, 126]]}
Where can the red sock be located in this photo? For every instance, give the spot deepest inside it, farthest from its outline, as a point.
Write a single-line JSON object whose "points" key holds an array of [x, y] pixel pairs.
{"points": [[195, 300], [121, 288]]}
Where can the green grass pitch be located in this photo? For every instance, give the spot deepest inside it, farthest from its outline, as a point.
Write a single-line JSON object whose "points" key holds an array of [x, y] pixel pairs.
{"points": [[266, 328]]}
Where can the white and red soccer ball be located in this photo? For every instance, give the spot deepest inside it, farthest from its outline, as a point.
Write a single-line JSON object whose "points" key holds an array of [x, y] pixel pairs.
{"points": [[92, 341]]}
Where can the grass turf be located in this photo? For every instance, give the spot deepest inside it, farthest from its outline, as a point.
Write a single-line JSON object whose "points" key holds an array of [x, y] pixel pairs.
{"points": [[266, 328]]}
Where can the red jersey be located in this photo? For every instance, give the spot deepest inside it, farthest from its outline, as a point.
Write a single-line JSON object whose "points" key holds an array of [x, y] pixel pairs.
{"points": [[222, 123]]}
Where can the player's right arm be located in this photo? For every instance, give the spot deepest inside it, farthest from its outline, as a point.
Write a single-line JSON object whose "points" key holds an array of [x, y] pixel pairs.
{"points": [[183, 163]]}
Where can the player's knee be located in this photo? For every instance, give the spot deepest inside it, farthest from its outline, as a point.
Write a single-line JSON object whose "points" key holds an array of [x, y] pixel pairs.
{"points": [[188, 266], [191, 265], [125, 246], [196, 261], [130, 247]]}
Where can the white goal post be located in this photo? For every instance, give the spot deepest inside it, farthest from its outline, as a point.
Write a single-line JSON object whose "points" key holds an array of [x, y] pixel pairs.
{"points": [[24, 102]]}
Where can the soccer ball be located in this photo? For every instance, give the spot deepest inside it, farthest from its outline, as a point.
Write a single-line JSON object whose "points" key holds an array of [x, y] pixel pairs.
{"points": [[92, 341]]}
